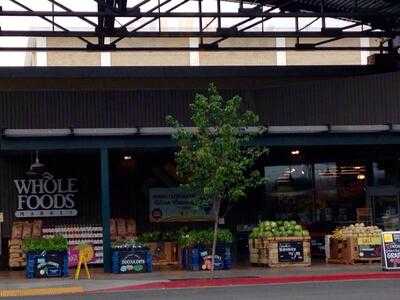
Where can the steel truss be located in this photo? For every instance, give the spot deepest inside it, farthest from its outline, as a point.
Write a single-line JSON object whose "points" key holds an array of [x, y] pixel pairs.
{"points": [[250, 24]]}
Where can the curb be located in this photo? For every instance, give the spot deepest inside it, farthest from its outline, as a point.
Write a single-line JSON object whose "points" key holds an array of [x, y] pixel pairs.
{"points": [[41, 291], [248, 281]]}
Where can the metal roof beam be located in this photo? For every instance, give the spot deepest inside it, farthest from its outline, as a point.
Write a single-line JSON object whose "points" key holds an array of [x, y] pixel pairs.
{"points": [[174, 49], [206, 34]]}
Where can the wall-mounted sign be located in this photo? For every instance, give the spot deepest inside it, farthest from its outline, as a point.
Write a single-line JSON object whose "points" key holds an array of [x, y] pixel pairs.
{"points": [[391, 250], [176, 205], [46, 197]]}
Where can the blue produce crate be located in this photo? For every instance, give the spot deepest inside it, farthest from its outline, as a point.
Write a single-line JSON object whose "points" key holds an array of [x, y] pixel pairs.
{"points": [[131, 261], [192, 258], [46, 264]]}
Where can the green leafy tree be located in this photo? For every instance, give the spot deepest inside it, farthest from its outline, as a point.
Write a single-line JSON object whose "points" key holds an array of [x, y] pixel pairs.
{"points": [[215, 158]]}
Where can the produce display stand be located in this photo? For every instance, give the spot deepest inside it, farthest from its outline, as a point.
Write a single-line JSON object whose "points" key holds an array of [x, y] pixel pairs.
{"points": [[280, 252], [351, 250], [79, 234]]}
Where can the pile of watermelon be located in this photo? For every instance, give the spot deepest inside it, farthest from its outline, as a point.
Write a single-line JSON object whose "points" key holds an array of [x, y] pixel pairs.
{"points": [[272, 229]]}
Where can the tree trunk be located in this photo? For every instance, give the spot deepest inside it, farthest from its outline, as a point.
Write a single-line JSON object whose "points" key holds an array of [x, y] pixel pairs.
{"points": [[214, 246]]}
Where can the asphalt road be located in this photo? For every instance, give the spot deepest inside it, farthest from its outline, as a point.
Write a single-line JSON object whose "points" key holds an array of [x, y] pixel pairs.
{"points": [[365, 290]]}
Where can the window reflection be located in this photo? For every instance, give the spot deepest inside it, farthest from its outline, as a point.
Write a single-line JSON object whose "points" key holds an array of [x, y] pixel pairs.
{"points": [[289, 190], [323, 192]]}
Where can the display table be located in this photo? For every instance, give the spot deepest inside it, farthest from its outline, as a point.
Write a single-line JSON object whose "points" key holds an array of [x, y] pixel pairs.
{"points": [[280, 251]]}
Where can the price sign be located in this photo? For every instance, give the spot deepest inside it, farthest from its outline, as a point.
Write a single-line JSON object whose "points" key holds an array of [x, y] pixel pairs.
{"points": [[369, 246], [290, 251], [391, 250]]}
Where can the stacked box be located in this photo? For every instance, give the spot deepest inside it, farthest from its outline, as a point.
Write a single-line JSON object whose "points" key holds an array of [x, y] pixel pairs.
{"points": [[21, 231], [122, 229]]}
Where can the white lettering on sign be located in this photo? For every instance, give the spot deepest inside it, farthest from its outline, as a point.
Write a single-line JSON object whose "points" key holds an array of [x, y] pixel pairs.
{"points": [[46, 197]]}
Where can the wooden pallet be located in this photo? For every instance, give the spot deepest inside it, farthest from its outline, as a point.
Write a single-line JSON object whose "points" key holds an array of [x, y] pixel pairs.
{"points": [[285, 265], [339, 261], [367, 260]]}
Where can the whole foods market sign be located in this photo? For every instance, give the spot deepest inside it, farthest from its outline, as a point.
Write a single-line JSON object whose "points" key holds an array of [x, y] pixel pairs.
{"points": [[176, 205], [46, 197]]}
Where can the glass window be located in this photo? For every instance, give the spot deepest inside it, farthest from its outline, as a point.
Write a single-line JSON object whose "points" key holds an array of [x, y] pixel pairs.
{"points": [[339, 190], [289, 192]]}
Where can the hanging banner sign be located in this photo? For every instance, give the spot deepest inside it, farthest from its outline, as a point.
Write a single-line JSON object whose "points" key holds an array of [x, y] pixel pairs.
{"points": [[46, 197], [391, 250], [176, 205]]}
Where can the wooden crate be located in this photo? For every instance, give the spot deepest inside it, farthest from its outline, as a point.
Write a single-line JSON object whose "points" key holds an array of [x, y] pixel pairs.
{"points": [[343, 251], [265, 252], [347, 252], [164, 253]]}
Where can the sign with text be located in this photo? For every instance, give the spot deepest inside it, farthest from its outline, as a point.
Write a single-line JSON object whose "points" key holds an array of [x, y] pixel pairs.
{"points": [[290, 251], [391, 250], [46, 196], [132, 262], [369, 246], [176, 205]]}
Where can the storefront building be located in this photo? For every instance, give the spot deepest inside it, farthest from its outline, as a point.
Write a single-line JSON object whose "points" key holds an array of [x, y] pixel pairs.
{"points": [[100, 137]]}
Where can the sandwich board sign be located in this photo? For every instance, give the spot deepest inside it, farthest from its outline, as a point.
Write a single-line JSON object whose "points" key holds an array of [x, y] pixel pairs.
{"points": [[391, 250]]}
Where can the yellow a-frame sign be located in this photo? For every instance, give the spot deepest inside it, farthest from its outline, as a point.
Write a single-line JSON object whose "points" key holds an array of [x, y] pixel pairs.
{"points": [[86, 253]]}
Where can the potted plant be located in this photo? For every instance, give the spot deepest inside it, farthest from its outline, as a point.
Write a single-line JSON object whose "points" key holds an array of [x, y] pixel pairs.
{"points": [[46, 257]]}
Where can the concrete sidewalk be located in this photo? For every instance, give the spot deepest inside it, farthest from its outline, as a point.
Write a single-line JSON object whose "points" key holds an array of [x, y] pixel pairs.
{"points": [[14, 282]]}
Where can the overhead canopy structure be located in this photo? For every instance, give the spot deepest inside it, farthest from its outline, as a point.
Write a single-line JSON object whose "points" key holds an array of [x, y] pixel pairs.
{"points": [[120, 19]]}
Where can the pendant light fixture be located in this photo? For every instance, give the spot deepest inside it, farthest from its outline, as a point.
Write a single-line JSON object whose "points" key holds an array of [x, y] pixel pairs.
{"points": [[37, 167]]}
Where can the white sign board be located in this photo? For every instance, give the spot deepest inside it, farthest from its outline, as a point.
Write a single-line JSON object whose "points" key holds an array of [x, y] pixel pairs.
{"points": [[391, 250], [176, 205]]}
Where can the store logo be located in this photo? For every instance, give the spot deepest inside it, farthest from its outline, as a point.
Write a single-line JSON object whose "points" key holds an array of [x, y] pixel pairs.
{"points": [[133, 259], [46, 197]]}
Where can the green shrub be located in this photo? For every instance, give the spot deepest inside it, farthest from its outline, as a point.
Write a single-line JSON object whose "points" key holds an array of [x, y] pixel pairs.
{"points": [[56, 243], [204, 237]]}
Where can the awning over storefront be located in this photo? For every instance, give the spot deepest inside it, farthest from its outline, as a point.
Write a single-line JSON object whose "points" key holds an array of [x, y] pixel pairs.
{"points": [[160, 137]]}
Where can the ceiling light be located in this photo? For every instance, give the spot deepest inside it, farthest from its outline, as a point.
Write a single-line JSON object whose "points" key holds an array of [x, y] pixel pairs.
{"points": [[127, 157], [295, 152], [360, 176]]}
